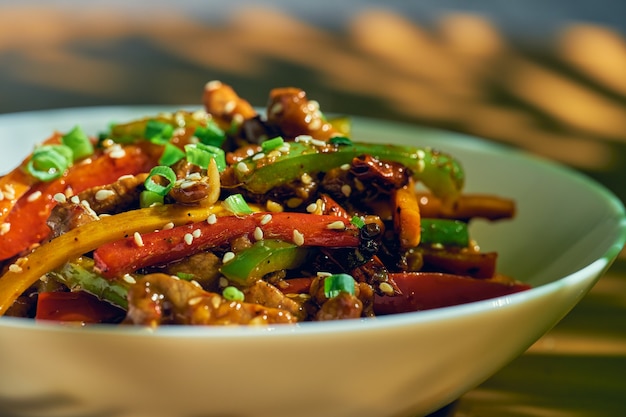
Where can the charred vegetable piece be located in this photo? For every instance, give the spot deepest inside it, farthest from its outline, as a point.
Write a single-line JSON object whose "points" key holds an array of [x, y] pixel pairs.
{"points": [[261, 258], [441, 173], [80, 276]]}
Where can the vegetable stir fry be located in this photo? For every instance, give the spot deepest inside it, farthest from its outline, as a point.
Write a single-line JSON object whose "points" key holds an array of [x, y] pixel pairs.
{"points": [[228, 216]]}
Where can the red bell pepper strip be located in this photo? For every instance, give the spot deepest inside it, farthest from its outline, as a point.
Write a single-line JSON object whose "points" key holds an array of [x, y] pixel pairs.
{"points": [[77, 306], [158, 248], [27, 220], [428, 290]]}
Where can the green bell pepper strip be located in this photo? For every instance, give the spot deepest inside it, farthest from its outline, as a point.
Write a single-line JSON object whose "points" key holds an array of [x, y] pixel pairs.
{"points": [[440, 172], [263, 257], [444, 232], [79, 275]]}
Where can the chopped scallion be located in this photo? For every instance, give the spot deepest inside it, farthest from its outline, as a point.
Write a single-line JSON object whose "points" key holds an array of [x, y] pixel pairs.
{"points": [[357, 221], [233, 294], [201, 154], [78, 141], [171, 155], [164, 172], [338, 283], [49, 162], [237, 205], [210, 134], [158, 132], [149, 199], [273, 143]]}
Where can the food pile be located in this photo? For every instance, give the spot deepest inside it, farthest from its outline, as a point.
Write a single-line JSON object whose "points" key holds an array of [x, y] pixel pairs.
{"points": [[227, 216]]}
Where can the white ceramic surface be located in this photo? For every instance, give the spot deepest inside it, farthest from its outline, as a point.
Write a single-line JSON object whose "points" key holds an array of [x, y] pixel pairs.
{"points": [[567, 232]]}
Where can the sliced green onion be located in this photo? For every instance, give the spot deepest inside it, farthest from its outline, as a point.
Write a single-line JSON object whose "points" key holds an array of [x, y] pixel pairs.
{"points": [[273, 143], [185, 276], [233, 294], [210, 134], [171, 155], [158, 132], [338, 283], [164, 172], [357, 221], [237, 205], [340, 140], [78, 141], [149, 199], [201, 154], [49, 162]]}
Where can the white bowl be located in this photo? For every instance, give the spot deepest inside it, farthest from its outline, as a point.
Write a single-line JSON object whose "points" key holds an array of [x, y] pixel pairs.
{"points": [[567, 232]]}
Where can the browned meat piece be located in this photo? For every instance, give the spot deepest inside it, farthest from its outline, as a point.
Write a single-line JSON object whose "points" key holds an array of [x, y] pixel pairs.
{"points": [[193, 186], [226, 107], [87, 205], [268, 295], [163, 299], [203, 267], [291, 111], [385, 176], [343, 306]]}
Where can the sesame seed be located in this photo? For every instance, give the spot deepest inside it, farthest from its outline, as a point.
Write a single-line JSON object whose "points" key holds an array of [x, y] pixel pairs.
{"points": [[338, 225], [195, 300], [345, 167], [15, 268], [75, 200], [421, 154], [115, 151], [34, 196], [258, 156], [188, 238], [59, 198], [237, 119], [196, 283], [187, 184], [168, 226], [317, 142], [258, 233], [276, 108], [228, 256], [284, 148], [315, 124], [323, 274], [266, 219], [303, 139], [129, 279], [199, 115], [1, 195], [311, 208], [298, 238], [138, 239], [9, 191], [346, 190], [104, 194], [230, 106], [213, 85], [4, 228], [306, 178], [196, 233], [212, 219], [242, 167], [216, 301], [386, 288], [274, 206], [195, 176], [125, 177]]}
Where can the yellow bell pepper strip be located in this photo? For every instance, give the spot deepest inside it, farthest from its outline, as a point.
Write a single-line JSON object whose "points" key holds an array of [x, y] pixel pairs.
{"points": [[263, 257], [55, 253], [428, 290], [27, 220], [406, 216], [440, 172], [159, 248]]}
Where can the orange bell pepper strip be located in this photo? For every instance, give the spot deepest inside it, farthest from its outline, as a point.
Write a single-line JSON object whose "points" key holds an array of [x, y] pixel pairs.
{"points": [[27, 221]]}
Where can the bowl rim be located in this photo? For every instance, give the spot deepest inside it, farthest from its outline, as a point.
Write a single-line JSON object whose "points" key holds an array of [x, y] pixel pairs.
{"points": [[586, 276]]}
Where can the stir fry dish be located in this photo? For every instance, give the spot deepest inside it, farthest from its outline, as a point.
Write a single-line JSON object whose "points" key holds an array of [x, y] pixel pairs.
{"points": [[230, 216]]}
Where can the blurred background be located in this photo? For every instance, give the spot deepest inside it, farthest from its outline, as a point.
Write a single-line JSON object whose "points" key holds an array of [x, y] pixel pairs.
{"points": [[545, 76]]}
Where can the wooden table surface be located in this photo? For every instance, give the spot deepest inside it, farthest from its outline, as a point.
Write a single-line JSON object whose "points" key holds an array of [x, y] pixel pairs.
{"points": [[563, 98]]}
